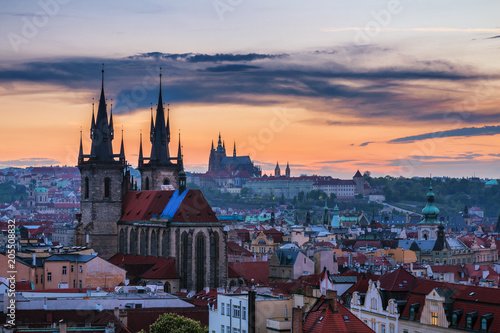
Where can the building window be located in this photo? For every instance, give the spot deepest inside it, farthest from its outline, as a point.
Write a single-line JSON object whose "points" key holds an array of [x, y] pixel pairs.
{"points": [[64, 270], [72, 268], [222, 309], [244, 313], [36, 279], [228, 308], [484, 324], [80, 284], [382, 328], [468, 323], [107, 187], [74, 283], [374, 303], [236, 311], [434, 318], [49, 277], [391, 329], [80, 270], [221, 328], [147, 183]]}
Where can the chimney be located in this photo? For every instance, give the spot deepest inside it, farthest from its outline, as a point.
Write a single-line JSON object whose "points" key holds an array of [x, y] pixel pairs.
{"points": [[297, 314], [251, 311], [62, 327], [332, 296]]}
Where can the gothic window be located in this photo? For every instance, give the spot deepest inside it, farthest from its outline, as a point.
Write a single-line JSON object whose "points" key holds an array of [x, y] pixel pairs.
{"points": [[214, 260], [165, 244], [154, 243], [133, 242], [107, 187], [147, 183], [123, 243], [86, 187], [143, 243], [184, 260], [200, 262]]}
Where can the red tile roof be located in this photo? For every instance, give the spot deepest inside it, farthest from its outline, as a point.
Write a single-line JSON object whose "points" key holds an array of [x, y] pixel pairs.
{"points": [[398, 280], [235, 249], [322, 318], [256, 270], [142, 205]]}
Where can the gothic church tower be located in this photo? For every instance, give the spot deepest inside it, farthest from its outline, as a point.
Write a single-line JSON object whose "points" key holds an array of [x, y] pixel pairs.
{"points": [[104, 183], [159, 169]]}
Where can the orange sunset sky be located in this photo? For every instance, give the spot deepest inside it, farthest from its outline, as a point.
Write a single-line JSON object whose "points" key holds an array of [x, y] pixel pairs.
{"points": [[398, 88]]}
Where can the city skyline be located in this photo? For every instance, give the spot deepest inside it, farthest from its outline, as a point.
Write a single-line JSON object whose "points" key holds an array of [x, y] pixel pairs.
{"points": [[390, 87]]}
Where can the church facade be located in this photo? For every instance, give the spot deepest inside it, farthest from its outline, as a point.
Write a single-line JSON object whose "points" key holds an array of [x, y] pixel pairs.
{"points": [[163, 219]]}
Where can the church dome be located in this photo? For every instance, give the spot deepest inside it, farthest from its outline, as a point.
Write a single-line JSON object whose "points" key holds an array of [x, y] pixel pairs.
{"points": [[430, 211]]}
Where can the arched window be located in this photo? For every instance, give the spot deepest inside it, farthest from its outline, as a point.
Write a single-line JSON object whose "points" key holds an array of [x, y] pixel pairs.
{"points": [[123, 242], [484, 324], [166, 181], [86, 190], [154, 243], [133, 242], [107, 187], [200, 261]]}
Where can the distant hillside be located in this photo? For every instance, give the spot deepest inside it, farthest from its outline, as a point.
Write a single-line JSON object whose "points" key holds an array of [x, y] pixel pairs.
{"points": [[10, 192], [451, 195]]}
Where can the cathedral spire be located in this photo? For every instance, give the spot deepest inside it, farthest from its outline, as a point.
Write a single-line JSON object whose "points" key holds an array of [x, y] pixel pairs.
{"points": [[219, 143], [168, 123], [141, 155], [102, 138], [287, 170], [80, 153], [92, 125], [234, 149], [122, 149], [152, 129], [159, 147], [212, 145], [179, 152]]}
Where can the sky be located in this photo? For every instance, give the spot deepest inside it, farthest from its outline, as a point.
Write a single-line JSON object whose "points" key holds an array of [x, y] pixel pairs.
{"points": [[400, 88]]}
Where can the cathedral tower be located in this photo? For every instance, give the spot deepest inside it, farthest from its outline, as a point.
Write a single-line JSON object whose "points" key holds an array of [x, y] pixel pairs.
{"points": [[160, 168], [427, 228], [104, 184]]}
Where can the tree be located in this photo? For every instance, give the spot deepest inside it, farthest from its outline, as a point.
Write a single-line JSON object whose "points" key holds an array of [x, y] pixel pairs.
{"points": [[173, 323]]}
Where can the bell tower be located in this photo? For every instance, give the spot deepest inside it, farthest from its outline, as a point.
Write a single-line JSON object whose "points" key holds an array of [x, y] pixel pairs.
{"points": [[160, 168], [104, 183]]}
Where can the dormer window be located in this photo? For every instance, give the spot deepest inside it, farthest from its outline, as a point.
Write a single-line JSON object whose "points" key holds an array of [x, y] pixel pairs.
{"points": [[414, 310], [471, 319], [486, 322], [455, 318]]}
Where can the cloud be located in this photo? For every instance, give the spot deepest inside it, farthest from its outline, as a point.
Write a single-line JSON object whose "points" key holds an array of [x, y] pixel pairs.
{"points": [[334, 162], [230, 68], [493, 37], [365, 143], [423, 29], [460, 132], [23, 162], [465, 156], [197, 57], [324, 85]]}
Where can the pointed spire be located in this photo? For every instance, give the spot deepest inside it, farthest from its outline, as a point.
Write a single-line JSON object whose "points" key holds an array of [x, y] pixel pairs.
{"points": [[219, 143], [159, 148], [179, 151], [168, 123], [152, 130], [80, 153], [111, 127], [224, 145], [92, 125], [141, 156], [234, 149], [122, 149], [102, 138], [212, 145]]}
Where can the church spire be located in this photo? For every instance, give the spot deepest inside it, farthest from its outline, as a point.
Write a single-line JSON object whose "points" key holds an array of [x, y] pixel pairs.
{"points": [[287, 170], [111, 126], [141, 156], [102, 139], [212, 145], [234, 149], [80, 153], [122, 149], [152, 128], [219, 143], [159, 147], [179, 153], [168, 123], [92, 125]]}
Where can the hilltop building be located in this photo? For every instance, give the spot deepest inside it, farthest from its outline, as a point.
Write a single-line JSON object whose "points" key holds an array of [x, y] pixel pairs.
{"points": [[219, 161]]}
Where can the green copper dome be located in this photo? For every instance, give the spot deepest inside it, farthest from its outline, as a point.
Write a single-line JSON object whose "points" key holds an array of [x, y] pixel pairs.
{"points": [[430, 211]]}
